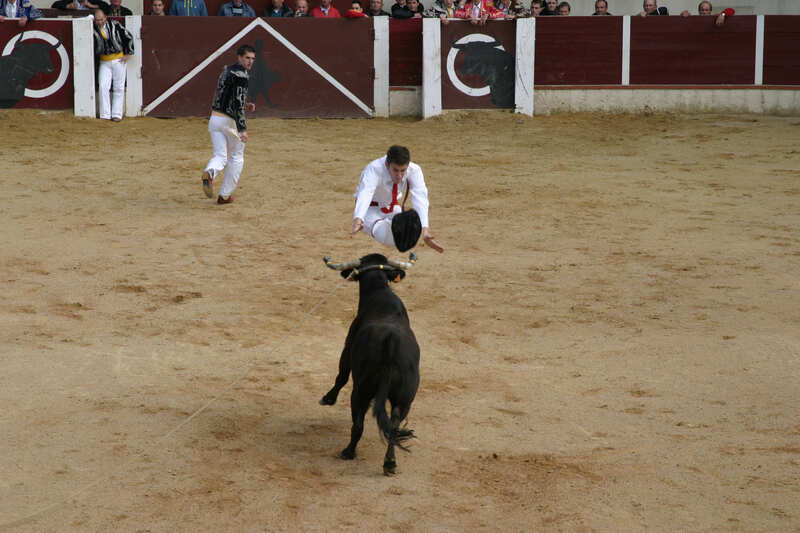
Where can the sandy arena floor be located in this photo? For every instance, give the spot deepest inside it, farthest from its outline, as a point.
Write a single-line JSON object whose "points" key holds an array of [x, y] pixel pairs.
{"points": [[611, 341]]}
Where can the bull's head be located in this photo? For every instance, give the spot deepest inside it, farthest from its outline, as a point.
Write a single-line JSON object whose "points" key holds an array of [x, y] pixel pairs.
{"points": [[395, 270], [35, 56]]}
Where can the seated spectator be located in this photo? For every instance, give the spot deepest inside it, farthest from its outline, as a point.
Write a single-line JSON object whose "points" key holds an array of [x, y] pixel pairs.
{"points": [[441, 9], [236, 8], [564, 9], [301, 8], [650, 9], [416, 8], [157, 8], [517, 9], [22, 10], [355, 11], [116, 9], [376, 9], [704, 8], [549, 9], [400, 10], [80, 5], [325, 10], [278, 9], [601, 8], [536, 8], [478, 11], [188, 8]]}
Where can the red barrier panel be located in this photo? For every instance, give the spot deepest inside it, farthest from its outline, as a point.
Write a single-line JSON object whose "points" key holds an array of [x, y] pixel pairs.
{"points": [[578, 51], [693, 50], [782, 50], [282, 83], [405, 52], [36, 64], [478, 65]]}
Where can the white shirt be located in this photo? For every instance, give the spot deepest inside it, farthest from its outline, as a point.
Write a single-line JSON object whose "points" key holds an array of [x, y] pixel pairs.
{"points": [[11, 10], [375, 185]]}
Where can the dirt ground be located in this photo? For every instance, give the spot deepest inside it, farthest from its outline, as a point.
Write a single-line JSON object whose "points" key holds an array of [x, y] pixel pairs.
{"points": [[611, 341]]}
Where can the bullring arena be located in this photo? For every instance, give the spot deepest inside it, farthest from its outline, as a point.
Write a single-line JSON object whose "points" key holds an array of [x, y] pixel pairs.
{"points": [[609, 342]]}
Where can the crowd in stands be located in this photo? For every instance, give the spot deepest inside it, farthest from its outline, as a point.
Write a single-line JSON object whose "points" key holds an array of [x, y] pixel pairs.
{"points": [[477, 11]]}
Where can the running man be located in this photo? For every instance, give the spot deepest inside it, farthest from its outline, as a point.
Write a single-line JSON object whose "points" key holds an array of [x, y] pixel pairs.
{"points": [[227, 125], [379, 197]]}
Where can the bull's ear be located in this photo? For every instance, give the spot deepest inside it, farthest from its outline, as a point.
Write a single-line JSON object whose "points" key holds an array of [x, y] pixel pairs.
{"points": [[346, 274], [398, 276]]}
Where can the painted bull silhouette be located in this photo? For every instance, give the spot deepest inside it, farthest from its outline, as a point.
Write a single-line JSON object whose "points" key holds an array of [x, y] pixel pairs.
{"points": [[26, 60], [495, 66], [261, 77]]}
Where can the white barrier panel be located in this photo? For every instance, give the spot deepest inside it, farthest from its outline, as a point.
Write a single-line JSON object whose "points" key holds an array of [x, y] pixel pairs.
{"points": [[133, 77], [431, 67], [83, 67], [381, 59], [524, 63]]}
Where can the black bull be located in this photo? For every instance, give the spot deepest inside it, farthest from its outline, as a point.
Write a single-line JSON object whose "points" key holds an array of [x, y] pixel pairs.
{"points": [[26, 60], [382, 353], [495, 66]]}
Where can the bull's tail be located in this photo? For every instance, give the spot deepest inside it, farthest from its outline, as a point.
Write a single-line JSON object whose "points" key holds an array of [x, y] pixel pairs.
{"points": [[396, 436]]}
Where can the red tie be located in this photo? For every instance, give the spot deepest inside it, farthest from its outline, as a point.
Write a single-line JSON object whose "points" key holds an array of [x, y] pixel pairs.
{"points": [[394, 200]]}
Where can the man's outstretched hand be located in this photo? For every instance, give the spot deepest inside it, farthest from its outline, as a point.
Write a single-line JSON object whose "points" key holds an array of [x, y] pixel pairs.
{"points": [[430, 241]]}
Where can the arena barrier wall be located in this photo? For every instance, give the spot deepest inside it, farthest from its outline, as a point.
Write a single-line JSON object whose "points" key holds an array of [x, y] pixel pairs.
{"points": [[582, 60], [36, 65]]}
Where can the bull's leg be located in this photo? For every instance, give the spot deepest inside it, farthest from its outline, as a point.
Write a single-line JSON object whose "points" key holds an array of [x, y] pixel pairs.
{"points": [[398, 435], [341, 380], [358, 408]]}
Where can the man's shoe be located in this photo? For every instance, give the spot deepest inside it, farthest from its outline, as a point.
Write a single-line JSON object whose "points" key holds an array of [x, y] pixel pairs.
{"points": [[208, 183], [228, 200]]}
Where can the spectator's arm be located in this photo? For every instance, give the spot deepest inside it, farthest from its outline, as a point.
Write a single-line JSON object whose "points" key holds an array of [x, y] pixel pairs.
{"points": [[203, 10], [724, 15]]}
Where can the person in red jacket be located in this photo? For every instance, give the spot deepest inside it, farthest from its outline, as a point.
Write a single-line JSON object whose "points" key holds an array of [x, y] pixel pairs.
{"points": [[704, 8], [478, 11], [325, 10]]}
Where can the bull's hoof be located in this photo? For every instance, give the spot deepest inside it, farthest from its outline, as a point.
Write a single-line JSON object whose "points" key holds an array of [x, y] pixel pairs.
{"points": [[348, 454], [389, 468], [326, 400]]}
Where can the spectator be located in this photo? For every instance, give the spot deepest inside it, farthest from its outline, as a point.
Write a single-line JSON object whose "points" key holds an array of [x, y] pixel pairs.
{"points": [[278, 9], [22, 10], [355, 11], [376, 9], [188, 8], [80, 5], [704, 8], [416, 8], [441, 9], [536, 8], [301, 8], [113, 45], [517, 10], [601, 8], [116, 9], [400, 10], [325, 10], [157, 8], [650, 9], [478, 12], [550, 8], [564, 9], [236, 8]]}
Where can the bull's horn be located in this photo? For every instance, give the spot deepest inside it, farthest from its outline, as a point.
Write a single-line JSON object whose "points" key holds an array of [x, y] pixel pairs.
{"points": [[412, 259], [19, 39], [340, 266], [54, 46]]}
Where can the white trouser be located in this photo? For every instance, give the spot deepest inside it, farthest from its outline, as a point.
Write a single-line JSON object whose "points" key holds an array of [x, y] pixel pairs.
{"points": [[112, 79], [228, 152], [378, 224]]}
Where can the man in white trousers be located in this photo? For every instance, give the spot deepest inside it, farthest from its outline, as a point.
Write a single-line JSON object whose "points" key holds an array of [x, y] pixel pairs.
{"points": [[113, 45], [380, 196], [227, 125]]}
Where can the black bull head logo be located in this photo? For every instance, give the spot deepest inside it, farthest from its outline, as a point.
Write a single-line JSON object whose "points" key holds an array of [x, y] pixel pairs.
{"points": [[494, 66], [26, 60]]}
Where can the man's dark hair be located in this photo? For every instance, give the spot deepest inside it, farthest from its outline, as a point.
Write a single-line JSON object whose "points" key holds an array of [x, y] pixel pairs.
{"points": [[597, 2], [540, 2], [244, 49], [704, 2], [398, 155]]}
